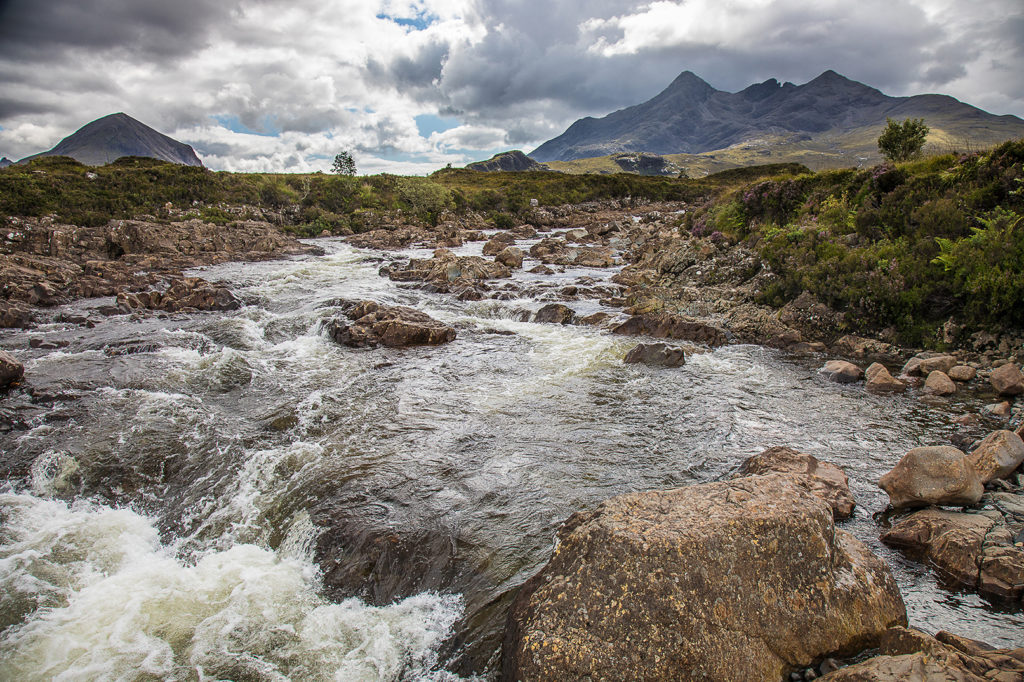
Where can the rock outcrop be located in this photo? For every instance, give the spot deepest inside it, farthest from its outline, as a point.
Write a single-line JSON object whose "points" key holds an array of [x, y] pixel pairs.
{"points": [[513, 161], [940, 475], [559, 252], [394, 326], [187, 293], [447, 270], [670, 326], [745, 579], [656, 354], [822, 479]]}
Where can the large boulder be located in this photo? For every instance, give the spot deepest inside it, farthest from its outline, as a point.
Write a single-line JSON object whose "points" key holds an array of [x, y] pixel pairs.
{"points": [[188, 293], [998, 455], [510, 257], [555, 313], [671, 326], [11, 370], [841, 372], [962, 373], [658, 354], [932, 475], [879, 380], [498, 243], [445, 269], [740, 580], [938, 383], [1007, 380], [822, 479], [395, 326], [925, 363], [976, 550]]}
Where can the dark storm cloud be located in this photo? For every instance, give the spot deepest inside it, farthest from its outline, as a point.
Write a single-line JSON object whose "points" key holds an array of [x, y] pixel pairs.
{"points": [[420, 71]]}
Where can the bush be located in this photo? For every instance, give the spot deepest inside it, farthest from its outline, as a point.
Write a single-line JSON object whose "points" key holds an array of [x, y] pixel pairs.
{"points": [[902, 141]]}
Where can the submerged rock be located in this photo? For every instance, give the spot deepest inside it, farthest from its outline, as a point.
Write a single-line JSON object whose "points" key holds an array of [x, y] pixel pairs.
{"points": [[657, 354], [745, 579], [932, 475], [841, 372], [822, 479], [395, 326], [998, 455], [11, 370]]}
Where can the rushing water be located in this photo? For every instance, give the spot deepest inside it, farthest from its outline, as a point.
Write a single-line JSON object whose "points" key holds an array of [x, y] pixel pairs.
{"points": [[235, 496]]}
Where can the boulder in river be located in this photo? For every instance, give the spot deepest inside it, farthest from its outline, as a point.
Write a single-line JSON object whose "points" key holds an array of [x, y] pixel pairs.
{"points": [[445, 268], [394, 326], [841, 372], [976, 550], [998, 455], [938, 383], [188, 293], [879, 380], [510, 257], [1007, 379], [11, 370], [555, 313], [671, 326], [962, 373], [747, 579], [498, 243], [822, 479], [939, 475], [927, 362], [657, 354]]}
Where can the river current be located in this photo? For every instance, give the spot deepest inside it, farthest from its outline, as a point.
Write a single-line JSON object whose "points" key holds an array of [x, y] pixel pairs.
{"points": [[235, 496]]}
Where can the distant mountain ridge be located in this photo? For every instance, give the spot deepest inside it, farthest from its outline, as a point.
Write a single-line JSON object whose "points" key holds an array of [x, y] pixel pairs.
{"points": [[109, 138], [511, 161], [690, 117]]}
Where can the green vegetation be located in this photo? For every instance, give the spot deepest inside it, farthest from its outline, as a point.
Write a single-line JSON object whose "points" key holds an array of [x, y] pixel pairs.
{"points": [[902, 141], [344, 164], [898, 247]]}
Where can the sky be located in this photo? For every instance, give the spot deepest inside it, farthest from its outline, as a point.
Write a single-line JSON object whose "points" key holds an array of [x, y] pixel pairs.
{"points": [[408, 86]]}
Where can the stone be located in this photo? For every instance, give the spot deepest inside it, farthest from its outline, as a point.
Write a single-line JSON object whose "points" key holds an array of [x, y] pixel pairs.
{"points": [[939, 363], [510, 257], [188, 293], [11, 371], [394, 326], [998, 410], [445, 270], [962, 373], [555, 313], [879, 380], [998, 455], [841, 372], [822, 479], [656, 354], [976, 550], [1007, 380], [938, 475], [747, 579], [938, 383], [498, 243], [860, 347], [671, 326]]}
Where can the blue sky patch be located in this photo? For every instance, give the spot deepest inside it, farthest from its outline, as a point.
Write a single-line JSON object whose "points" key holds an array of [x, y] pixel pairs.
{"points": [[429, 123], [416, 23], [232, 123]]}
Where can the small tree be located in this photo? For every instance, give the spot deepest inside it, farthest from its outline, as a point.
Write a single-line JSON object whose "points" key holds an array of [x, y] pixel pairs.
{"points": [[902, 141], [344, 164]]}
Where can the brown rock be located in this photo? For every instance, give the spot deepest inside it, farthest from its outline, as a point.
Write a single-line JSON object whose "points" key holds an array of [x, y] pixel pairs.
{"points": [[998, 455], [394, 326], [962, 373], [730, 580], [446, 269], [188, 293], [511, 257], [498, 243], [555, 313], [658, 354], [939, 363], [841, 372], [822, 479], [879, 380], [1007, 379], [932, 475], [998, 410], [938, 383], [670, 326], [594, 320], [11, 371], [860, 347]]}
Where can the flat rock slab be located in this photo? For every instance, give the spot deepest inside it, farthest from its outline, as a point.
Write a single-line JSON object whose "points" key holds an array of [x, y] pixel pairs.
{"points": [[656, 354], [746, 579], [822, 479], [394, 326]]}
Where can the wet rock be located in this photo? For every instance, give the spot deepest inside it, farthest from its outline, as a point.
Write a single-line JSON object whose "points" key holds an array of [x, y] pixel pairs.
{"points": [[541, 270], [11, 371], [938, 474], [938, 383], [976, 550], [555, 313], [998, 455], [394, 326], [189, 293], [594, 320], [962, 373], [729, 580], [1007, 380], [906, 654], [498, 243], [510, 257], [841, 372], [14, 314], [822, 479], [559, 252], [445, 269], [998, 410], [671, 326], [656, 354], [879, 380]]}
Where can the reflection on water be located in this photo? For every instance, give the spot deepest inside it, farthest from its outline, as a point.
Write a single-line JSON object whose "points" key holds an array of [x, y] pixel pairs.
{"points": [[213, 503]]}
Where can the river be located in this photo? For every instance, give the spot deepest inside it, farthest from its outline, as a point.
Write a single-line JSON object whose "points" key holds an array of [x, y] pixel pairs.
{"points": [[235, 496]]}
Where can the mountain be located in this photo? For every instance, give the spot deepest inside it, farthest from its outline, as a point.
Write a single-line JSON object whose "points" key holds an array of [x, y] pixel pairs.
{"points": [[5, 162], [692, 117], [111, 137], [514, 160]]}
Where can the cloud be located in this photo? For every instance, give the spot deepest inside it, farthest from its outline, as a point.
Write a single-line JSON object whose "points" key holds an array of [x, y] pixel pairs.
{"points": [[275, 85]]}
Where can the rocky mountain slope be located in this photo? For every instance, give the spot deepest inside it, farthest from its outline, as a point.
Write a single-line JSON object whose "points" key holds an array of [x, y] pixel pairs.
{"points": [[514, 160], [111, 137], [691, 117]]}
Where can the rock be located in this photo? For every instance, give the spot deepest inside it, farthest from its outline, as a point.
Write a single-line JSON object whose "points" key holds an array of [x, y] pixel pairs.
{"points": [[731, 580], [658, 354], [541, 270], [860, 347], [445, 270], [188, 293], [11, 371], [973, 549], [938, 475], [559, 252], [822, 479], [907, 655], [594, 320], [879, 380], [498, 243], [998, 410], [14, 314], [670, 326], [998, 455], [962, 373], [938, 383], [939, 363], [393, 326], [841, 372], [555, 313], [511, 257], [1007, 380]]}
